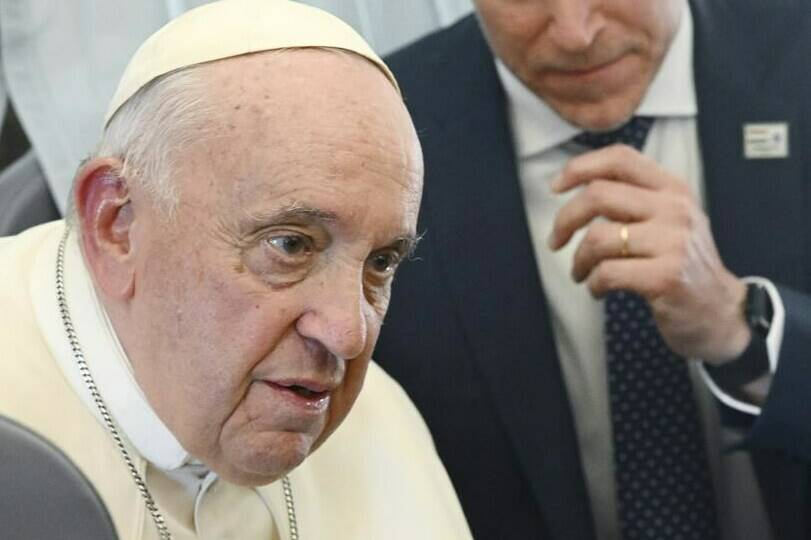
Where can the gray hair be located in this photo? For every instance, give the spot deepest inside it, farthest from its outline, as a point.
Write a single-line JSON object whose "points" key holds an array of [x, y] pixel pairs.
{"points": [[150, 132]]}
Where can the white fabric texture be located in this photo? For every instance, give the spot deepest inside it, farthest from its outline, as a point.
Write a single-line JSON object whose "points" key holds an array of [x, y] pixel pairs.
{"points": [[242, 27]]}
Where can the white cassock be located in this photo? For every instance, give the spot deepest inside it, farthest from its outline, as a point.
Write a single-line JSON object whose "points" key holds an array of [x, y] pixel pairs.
{"points": [[377, 477]]}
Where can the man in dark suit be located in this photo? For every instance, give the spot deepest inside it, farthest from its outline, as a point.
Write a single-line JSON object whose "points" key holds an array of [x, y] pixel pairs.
{"points": [[608, 326]]}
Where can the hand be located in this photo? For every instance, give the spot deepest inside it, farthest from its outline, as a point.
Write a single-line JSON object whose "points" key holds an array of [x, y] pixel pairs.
{"points": [[672, 260]]}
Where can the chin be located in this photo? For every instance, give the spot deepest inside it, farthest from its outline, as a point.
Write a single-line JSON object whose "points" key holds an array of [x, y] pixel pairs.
{"points": [[597, 113], [597, 117], [266, 460]]}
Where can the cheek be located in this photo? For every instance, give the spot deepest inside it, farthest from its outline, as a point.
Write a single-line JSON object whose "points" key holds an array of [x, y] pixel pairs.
{"points": [[668, 25], [217, 307], [216, 326], [355, 374], [343, 400], [381, 302], [356, 371], [651, 24], [511, 32]]}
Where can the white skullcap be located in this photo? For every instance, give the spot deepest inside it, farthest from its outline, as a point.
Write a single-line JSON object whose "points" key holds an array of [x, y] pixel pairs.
{"points": [[231, 28]]}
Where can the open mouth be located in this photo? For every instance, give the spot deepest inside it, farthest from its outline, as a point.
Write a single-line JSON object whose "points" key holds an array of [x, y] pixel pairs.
{"points": [[312, 395], [304, 392]]}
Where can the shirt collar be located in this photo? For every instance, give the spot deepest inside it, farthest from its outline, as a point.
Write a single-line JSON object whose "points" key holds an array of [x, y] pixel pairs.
{"points": [[105, 358], [538, 128]]}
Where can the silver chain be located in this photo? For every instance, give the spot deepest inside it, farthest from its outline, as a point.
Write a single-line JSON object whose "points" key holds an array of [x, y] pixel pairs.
{"points": [[87, 377], [291, 508]]}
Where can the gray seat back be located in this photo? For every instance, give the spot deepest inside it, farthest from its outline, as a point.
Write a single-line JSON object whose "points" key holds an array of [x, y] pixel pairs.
{"points": [[25, 198], [43, 495]]}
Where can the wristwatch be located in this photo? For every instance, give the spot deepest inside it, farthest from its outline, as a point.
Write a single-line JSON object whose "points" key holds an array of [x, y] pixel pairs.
{"points": [[758, 309], [753, 363]]}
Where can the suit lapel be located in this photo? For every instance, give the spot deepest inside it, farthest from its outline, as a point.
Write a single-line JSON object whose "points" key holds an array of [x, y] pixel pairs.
{"points": [[493, 276], [756, 207]]}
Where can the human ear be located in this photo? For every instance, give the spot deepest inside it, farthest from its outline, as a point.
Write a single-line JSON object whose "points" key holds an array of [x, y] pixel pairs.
{"points": [[105, 217]]}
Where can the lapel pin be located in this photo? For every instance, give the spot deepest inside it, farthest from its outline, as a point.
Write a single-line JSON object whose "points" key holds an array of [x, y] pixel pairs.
{"points": [[765, 140]]}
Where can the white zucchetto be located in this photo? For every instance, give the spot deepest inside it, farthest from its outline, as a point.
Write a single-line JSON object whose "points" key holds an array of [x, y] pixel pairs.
{"points": [[230, 28]]}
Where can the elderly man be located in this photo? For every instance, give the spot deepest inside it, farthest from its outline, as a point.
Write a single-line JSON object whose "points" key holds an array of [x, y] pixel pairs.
{"points": [[579, 150], [205, 321]]}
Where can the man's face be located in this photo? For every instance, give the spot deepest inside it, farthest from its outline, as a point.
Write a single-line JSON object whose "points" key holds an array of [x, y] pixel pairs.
{"points": [[590, 60], [259, 306]]}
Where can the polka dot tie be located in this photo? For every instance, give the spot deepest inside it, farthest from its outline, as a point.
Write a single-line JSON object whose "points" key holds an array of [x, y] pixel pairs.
{"points": [[664, 488]]}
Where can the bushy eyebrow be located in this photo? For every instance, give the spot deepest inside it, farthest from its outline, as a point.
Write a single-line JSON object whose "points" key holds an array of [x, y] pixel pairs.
{"points": [[294, 213]]}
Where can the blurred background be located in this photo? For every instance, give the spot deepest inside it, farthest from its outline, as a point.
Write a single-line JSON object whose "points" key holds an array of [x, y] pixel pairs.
{"points": [[60, 62]]}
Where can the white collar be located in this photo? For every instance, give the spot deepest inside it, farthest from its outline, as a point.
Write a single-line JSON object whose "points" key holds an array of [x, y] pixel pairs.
{"points": [[538, 128], [104, 355]]}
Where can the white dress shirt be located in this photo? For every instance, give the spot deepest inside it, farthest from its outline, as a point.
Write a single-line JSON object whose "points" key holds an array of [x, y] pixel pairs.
{"points": [[542, 150]]}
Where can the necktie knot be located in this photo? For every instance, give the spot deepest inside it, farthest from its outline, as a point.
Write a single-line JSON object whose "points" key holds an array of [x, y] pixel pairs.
{"points": [[633, 133]]}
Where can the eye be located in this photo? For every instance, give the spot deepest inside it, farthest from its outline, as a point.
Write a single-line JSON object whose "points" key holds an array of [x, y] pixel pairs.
{"points": [[293, 245], [384, 262], [282, 257]]}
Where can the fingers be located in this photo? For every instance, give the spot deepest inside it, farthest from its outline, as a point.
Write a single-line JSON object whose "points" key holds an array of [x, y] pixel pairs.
{"points": [[663, 218], [618, 163], [649, 278], [603, 240], [613, 201]]}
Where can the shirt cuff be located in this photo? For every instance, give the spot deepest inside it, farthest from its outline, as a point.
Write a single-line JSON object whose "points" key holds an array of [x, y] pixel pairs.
{"points": [[774, 341]]}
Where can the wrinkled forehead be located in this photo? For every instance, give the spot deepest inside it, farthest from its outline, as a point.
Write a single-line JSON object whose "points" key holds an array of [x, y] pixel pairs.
{"points": [[306, 118], [279, 97], [300, 74]]}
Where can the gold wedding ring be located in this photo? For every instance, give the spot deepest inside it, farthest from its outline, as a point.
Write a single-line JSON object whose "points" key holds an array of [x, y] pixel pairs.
{"points": [[624, 252]]}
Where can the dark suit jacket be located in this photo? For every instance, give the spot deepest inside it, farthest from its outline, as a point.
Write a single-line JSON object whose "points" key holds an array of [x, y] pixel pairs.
{"points": [[468, 332]]}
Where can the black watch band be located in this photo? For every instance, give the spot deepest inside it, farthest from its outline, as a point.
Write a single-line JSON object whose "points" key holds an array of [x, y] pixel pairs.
{"points": [[753, 363], [758, 309]]}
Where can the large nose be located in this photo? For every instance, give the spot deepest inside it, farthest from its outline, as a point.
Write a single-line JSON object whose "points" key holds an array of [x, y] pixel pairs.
{"points": [[573, 24], [337, 316]]}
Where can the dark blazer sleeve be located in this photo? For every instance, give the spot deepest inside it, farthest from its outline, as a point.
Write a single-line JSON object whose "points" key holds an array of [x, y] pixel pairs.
{"points": [[785, 421]]}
